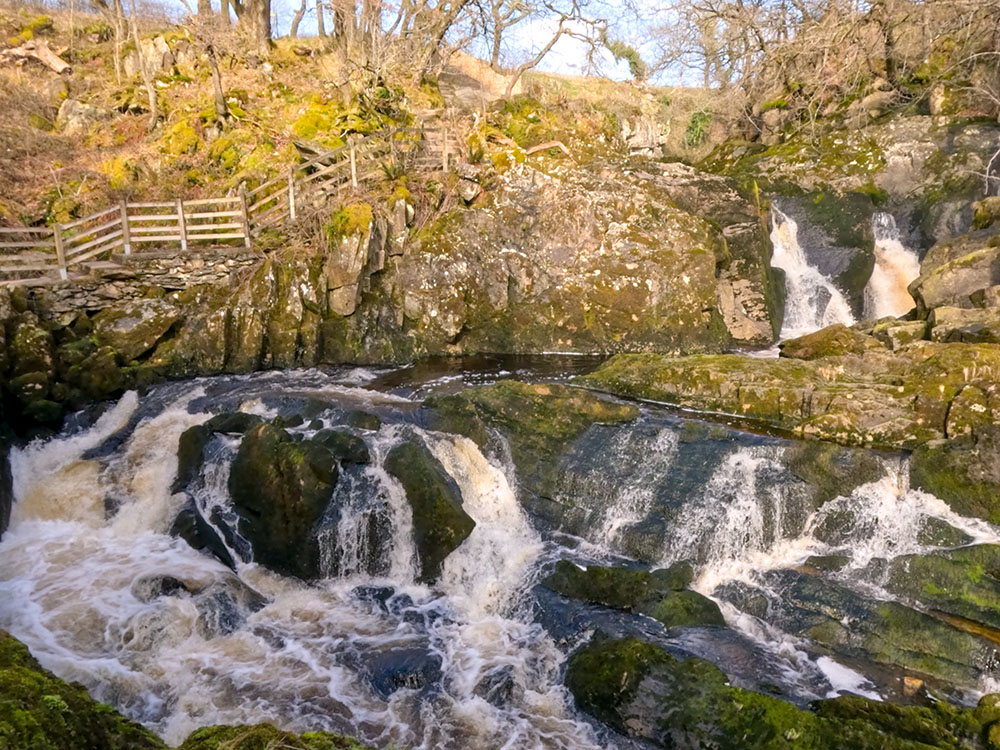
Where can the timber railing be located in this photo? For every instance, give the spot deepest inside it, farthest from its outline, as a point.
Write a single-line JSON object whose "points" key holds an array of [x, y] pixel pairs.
{"points": [[40, 255]]}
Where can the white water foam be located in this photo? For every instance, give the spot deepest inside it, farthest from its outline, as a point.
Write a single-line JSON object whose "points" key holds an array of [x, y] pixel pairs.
{"points": [[886, 294], [812, 301], [72, 583]]}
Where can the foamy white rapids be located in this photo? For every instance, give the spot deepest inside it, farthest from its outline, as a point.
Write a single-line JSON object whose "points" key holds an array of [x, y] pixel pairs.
{"points": [[886, 294], [812, 301], [87, 558], [742, 524]]}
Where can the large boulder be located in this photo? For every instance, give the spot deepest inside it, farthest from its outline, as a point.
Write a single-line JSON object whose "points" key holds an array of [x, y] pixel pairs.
{"points": [[953, 281], [440, 524], [964, 472], [133, 328], [281, 488]]}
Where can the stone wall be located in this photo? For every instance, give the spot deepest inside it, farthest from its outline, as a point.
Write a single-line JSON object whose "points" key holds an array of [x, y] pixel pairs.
{"points": [[136, 275]]}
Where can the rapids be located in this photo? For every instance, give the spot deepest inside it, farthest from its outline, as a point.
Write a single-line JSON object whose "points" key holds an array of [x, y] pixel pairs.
{"points": [[93, 583]]}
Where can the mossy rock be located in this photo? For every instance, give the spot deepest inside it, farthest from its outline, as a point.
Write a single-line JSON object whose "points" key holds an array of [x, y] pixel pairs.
{"points": [[347, 447], [281, 489], [831, 469], [440, 524], [265, 737], [832, 341], [641, 690], [41, 712], [965, 473], [660, 594], [963, 582], [539, 421], [181, 139]]}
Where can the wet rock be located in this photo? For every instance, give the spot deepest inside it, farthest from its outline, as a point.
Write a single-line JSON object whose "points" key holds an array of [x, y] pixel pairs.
{"points": [[972, 326], [347, 447], [190, 526], [6, 487], [644, 692], [440, 524], [660, 594], [363, 421], [832, 470], [964, 473], [498, 685], [148, 588], [233, 423], [854, 626], [962, 582], [281, 489], [395, 669], [539, 421]]}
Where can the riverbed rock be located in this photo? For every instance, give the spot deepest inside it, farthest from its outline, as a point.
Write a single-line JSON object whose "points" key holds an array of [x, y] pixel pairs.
{"points": [[660, 594], [832, 341], [440, 524], [964, 472], [539, 421], [281, 489], [963, 583], [972, 326], [262, 736], [880, 398], [641, 690], [856, 627]]}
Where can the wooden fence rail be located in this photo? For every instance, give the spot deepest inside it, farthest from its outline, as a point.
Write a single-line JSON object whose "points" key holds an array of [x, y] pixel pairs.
{"points": [[39, 255]]}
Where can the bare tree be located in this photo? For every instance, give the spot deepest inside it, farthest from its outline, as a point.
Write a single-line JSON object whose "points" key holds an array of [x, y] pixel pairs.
{"points": [[147, 77]]}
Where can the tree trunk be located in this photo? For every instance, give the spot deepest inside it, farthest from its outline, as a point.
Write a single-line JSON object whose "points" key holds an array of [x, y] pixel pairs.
{"points": [[320, 20], [257, 14], [147, 78], [293, 32], [221, 110], [226, 17], [204, 8]]}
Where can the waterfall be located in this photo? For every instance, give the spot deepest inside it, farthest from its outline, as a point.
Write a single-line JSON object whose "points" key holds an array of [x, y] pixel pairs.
{"points": [[886, 294], [175, 640], [811, 299]]}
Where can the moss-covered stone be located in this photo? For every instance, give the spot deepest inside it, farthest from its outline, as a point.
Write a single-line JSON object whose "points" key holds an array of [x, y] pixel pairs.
{"points": [[41, 712], [646, 693], [832, 341], [964, 473], [281, 489], [440, 524], [539, 421], [833, 470], [660, 594], [265, 737]]}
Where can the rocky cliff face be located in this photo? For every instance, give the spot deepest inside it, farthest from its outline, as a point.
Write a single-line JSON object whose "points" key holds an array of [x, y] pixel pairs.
{"points": [[611, 256]]}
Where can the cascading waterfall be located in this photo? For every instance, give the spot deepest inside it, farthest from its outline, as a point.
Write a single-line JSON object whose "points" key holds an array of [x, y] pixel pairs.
{"points": [[812, 301], [176, 640], [886, 294]]}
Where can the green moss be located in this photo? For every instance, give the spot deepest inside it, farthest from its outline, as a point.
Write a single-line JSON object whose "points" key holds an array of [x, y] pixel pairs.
{"points": [[41, 712], [35, 27], [180, 139], [696, 131], [265, 737], [226, 153], [121, 172], [351, 219], [40, 123]]}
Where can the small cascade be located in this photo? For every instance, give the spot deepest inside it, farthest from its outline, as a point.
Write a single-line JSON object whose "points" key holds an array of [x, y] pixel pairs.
{"points": [[886, 294], [176, 640], [811, 299]]}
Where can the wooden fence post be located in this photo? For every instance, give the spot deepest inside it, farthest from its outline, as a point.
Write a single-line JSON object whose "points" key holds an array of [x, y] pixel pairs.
{"points": [[60, 252], [182, 224], [126, 235], [246, 215], [291, 193], [354, 165]]}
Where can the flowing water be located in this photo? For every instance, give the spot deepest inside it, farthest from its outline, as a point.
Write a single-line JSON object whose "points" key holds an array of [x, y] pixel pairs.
{"points": [[812, 301], [895, 267], [92, 582]]}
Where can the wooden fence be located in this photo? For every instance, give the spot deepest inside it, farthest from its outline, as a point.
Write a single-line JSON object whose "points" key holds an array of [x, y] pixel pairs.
{"points": [[40, 255]]}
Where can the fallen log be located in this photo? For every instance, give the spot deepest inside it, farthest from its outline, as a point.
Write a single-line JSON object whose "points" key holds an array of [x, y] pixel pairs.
{"points": [[35, 50], [534, 149]]}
